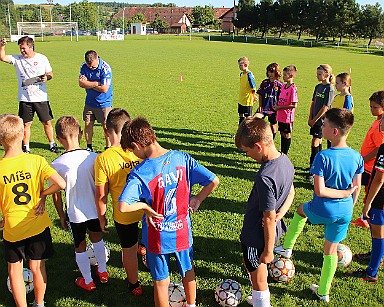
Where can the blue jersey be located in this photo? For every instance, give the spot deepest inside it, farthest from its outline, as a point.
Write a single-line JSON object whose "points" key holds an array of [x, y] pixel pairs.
{"points": [[165, 184], [102, 74], [337, 166]]}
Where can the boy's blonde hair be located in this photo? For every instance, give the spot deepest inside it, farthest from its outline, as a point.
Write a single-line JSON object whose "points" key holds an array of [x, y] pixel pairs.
{"points": [[244, 60], [67, 127], [11, 128], [253, 130]]}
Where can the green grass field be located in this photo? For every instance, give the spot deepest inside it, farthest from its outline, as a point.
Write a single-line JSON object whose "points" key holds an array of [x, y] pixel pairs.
{"points": [[199, 115]]}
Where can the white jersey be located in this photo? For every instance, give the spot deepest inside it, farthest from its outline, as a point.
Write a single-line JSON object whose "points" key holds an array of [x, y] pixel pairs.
{"points": [[77, 169], [29, 68]]}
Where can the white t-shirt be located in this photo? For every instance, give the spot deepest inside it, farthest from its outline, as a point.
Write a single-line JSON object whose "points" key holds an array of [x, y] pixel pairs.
{"points": [[29, 68], [77, 169]]}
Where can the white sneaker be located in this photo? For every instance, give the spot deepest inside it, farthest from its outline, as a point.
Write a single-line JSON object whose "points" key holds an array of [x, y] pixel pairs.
{"points": [[286, 253], [314, 288]]}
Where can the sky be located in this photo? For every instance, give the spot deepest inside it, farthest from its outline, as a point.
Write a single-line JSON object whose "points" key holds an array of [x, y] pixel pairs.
{"points": [[189, 3]]}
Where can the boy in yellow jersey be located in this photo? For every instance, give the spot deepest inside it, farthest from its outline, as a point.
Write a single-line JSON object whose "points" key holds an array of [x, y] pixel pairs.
{"points": [[26, 224], [112, 168], [247, 90]]}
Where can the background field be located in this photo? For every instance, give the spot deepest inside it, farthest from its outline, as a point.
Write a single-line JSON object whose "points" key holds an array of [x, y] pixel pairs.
{"points": [[198, 115]]}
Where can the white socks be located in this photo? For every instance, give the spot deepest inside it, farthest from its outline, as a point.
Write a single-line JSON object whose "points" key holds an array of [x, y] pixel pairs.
{"points": [[100, 255], [84, 265], [261, 298]]}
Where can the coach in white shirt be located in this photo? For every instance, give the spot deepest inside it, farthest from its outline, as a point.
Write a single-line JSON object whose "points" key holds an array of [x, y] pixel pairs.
{"points": [[33, 71]]}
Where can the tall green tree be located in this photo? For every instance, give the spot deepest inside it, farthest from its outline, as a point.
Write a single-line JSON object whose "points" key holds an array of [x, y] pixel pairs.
{"points": [[203, 16], [245, 15], [86, 14], [346, 17], [4, 20], [371, 23]]}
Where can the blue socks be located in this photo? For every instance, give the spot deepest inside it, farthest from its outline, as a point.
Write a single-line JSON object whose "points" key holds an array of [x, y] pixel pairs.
{"points": [[376, 255]]}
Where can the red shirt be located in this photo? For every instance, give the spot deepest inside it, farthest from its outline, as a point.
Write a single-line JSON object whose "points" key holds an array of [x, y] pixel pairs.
{"points": [[373, 140]]}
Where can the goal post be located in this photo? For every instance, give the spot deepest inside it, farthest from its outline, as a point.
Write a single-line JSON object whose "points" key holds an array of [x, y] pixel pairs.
{"points": [[48, 28]]}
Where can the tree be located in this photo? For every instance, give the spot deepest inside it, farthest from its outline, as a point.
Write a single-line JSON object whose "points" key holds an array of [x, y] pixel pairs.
{"points": [[159, 24], [86, 14], [4, 20], [202, 16], [346, 16], [245, 14], [371, 23], [302, 9], [138, 18], [283, 15], [264, 16]]}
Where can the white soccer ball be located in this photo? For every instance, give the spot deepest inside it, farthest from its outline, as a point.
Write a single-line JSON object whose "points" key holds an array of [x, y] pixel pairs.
{"points": [[91, 253], [281, 269], [176, 295], [228, 293], [344, 255], [28, 281]]}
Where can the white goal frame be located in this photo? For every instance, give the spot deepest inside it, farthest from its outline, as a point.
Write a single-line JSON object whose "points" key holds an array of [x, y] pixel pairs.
{"points": [[46, 27]]}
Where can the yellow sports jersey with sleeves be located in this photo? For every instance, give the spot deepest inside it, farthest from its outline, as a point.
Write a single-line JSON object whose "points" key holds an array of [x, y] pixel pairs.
{"points": [[339, 102], [247, 85], [22, 180], [112, 167]]}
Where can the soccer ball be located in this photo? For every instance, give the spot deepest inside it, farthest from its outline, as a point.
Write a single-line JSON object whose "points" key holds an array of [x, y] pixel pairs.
{"points": [[344, 255], [281, 269], [91, 253], [228, 293], [28, 281], [176, 295]]}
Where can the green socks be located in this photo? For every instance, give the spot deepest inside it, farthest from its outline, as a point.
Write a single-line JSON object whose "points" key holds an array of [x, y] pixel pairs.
{"points": [[327, 272], [294, 230]]}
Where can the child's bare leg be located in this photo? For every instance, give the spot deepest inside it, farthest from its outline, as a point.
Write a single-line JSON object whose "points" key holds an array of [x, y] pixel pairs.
{"points": [[259, 278], [273, 128], [260, 290], [189, 283], [161, 292], [17, 283], [39, 279], [129, 259]]}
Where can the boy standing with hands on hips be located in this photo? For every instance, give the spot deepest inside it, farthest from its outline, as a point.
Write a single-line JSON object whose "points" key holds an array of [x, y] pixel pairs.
{"points": [[161, 185]]}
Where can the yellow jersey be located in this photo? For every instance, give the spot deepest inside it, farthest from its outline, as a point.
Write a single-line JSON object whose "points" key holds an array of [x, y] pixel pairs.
{"points": [[247, 88], [21, 182], [112, 167]]}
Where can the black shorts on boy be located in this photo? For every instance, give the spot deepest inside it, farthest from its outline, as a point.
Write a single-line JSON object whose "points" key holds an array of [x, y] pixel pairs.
{"points": [[128, 234], [37, 247], [79, 230]]}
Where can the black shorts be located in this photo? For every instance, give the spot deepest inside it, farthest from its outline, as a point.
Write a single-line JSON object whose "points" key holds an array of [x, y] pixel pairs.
{"points": [[251, 256], [79, 230], [271, 117], [128, 234], [365, 178], [285, 127], [27, 111], [38, 247], [317, 130], [245, 110]]}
